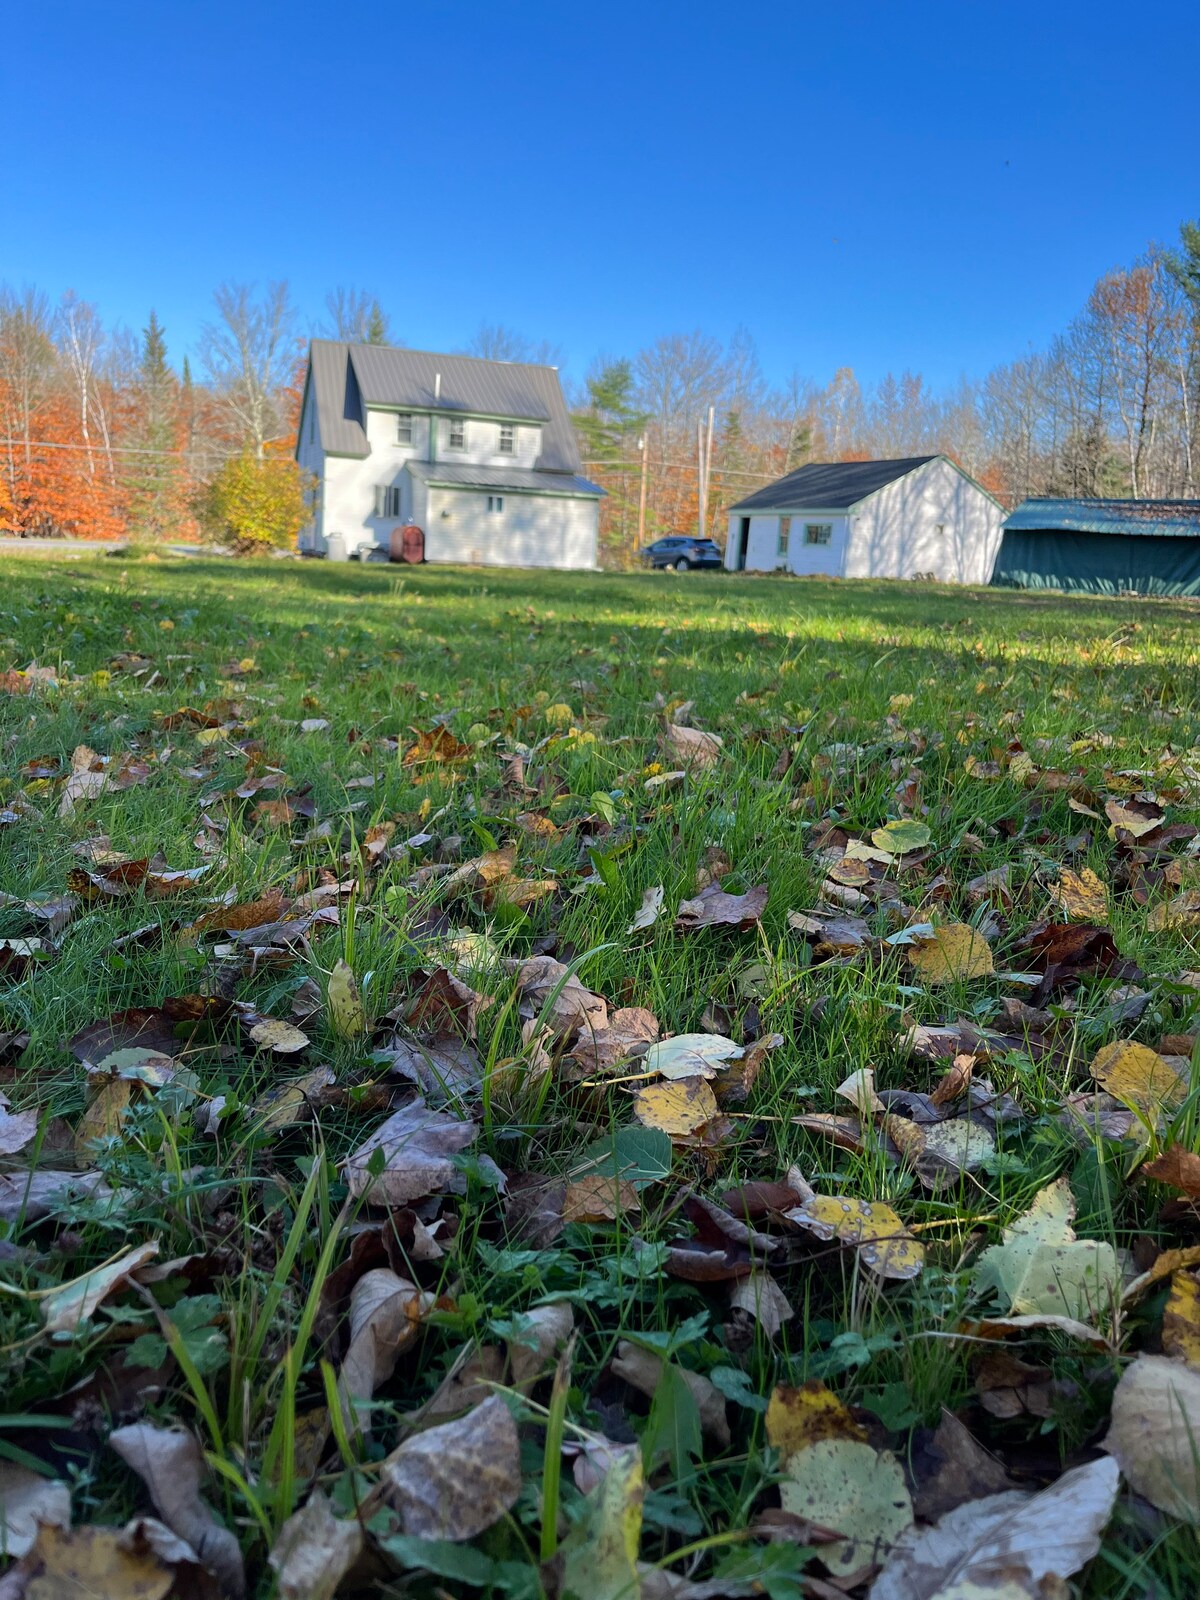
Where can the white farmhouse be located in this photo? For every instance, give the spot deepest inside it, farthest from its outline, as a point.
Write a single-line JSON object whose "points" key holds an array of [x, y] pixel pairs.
{"points": [[480, 455], [922, 516]]}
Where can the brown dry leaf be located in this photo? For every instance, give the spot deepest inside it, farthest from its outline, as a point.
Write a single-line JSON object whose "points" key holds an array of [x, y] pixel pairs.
{"points": [[1136, 817], [269, 907], [386, 1311], [1081, 895], [1166, 1264], [445, 1004], [600, 1197], [1181, 912], [544, 1332], [859, 1089], [713, 908], [954, 954], [691, 747], [314, 1551], [1138, 1077], [952, 1468], [34, 1195], [170, 1464], [485, 871], [680, 1107], [286, 1104], [1009, 1387], [453, 1481], [104, 1114], [760, 1297], [797, 1418], [72, 1305], [643, 1370], [1181, 1320], [1154, 1432], [833, 933], [884, 1244], [1177, 1167], [572, 1008], [1009, 1546], [418, 1146], [27, 1499], [630, 1031], [436, 744], [17, 1128]]}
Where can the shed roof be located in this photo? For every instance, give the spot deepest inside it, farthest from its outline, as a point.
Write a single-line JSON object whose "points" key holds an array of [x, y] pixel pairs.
{"points": [[1145, 518], [830, 485], [511, 480], [347, 378]]}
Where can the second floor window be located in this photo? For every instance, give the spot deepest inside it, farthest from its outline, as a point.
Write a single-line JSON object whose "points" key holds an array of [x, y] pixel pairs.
{"points": [[404, 428], [458, 434], [495, 502], [508, 439]]}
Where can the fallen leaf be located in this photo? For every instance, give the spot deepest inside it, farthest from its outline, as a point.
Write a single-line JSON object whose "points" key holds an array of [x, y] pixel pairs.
{"points": [[600, 1559], [35, 1195], [445, 1004], [644, 1371], [690, 1055], [418, 1146], [346, 1015], [170, 1464], [1181, 1320], [27, 1499], [543, 1333], [106, 1562], [291, 1102], [550, 992], [798, 1418], [281, 1038], [713, 908], [453, 1481], [885, 1245], [859, 1089], [648, 912], [1134, 817], [1010, 1546], [954, 954], [599, 1198], [1155, 1431], [679, 1108], [902, 837], [1138, 1077], [760, 1297], [860, 1492], [67, 1308], [1177, 1167], [1081, 895], [942, 1151], [386, 1311], [1042, 1268], [17, 1128], [314, 1551], [630, 1029], [952, 1468], [692, 747], [833, 933]]}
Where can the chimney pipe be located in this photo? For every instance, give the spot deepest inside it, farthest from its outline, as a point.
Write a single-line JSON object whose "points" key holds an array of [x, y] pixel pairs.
{"points": [[437, 386]]}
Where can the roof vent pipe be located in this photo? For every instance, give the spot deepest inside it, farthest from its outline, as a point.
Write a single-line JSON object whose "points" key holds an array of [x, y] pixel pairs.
{"points": [[437, 386]]}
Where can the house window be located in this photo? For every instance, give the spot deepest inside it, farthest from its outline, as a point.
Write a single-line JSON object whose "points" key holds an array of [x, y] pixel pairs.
{"points": [[508, 439], [458, 434], [387, 500], [404, 428], [818, 533], [785, 533], [495, 502]]}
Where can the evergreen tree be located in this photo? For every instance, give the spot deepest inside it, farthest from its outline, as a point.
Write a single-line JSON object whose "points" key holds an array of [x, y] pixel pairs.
{"points": [[377, 328], [154, 499], [610, 418]]}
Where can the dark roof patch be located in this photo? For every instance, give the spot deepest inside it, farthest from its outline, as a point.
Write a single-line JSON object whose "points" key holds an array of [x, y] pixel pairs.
{"points": [[1144, 518], [830, 485], [514, 480]]}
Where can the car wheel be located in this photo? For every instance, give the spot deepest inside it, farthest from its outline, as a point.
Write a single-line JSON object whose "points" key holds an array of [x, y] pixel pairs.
{"points": [[682, 564]]}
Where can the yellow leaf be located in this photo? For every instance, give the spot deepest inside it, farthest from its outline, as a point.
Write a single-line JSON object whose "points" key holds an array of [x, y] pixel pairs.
{"points": [[885, 1245], [346, 1015], [846, 1485], [797, 1418], [281, 1037], [953, 954], [559, 715], [98, 1561], [1181, 1320], [103, 1118], [1081, 894], [1138, 1077], [679, 1107]]}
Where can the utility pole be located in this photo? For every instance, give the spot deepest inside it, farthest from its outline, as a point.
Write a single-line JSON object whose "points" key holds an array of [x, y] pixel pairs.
{"points": [[712, 412], [703, 466], [643, 444]]}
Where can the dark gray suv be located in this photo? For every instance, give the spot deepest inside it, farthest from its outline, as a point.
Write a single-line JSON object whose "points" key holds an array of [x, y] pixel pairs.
{"points": [[682, 553]]}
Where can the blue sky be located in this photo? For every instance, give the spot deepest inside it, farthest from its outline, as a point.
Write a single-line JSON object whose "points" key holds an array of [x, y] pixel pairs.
{"points": [[911, 184]]}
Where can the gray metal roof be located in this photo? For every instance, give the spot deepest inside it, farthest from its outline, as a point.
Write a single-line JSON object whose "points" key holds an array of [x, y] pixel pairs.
{"points": [[830, 485], [1161, 518], [349, 377], [515, 480]]}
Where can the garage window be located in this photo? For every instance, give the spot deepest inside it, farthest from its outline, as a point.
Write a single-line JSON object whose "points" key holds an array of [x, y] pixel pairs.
{"points": [[818, 533]]}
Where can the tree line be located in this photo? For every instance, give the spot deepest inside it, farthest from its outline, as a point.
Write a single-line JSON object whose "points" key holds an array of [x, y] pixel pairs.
{"points": [[102, 435]]}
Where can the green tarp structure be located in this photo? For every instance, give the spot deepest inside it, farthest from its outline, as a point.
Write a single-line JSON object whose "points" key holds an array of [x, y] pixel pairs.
{"points": [[1102, 547]]}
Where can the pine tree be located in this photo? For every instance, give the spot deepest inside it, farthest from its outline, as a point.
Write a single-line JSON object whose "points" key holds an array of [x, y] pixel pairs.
{"points": [[155, 499], [611, 417], [377, 328]]}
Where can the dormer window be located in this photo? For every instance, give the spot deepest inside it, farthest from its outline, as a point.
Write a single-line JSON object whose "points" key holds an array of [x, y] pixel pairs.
{"points": [[508, 439], [458, 434], [404, 428]]}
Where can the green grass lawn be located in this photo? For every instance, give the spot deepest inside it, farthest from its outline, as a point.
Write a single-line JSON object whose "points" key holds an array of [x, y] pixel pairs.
{"points": [[1001, 723]]}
